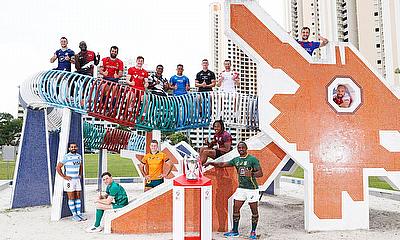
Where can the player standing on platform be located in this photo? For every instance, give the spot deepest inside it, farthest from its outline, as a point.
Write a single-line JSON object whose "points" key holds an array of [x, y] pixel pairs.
{"points": [[311, 46], [248, 169], [179, 82], [64, 55], [114, 198], [72, 163], [153, 166], [228, 79], [137, 75], [112, 68], [205, 79], [85, 60], [158, 84]]}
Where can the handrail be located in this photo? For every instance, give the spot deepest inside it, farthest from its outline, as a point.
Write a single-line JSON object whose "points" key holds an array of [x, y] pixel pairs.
{"points": [[128, 106]]}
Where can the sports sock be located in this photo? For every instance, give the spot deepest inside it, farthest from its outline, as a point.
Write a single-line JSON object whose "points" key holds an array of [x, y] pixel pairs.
{"points": [[254, 221], [78, 206], [71, 204], [99, 215], [236, 217]]}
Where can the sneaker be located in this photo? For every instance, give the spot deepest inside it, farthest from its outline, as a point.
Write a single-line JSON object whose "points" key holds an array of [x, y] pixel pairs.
{"points": [[253, 235], [76, 218], [231, 234], [82, 217], [94, 229]]}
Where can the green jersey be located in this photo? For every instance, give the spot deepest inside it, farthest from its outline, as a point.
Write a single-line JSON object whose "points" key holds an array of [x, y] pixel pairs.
{"points": [[118, 193], [249, 162]]}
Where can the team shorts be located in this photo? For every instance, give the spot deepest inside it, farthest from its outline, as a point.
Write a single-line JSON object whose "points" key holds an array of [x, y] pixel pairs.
{"points": [[154, 183], [218, 153], [111, 79], [72, 185], [249, 195]]}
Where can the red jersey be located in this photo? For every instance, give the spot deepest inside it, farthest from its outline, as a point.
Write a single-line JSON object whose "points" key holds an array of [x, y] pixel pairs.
{"points": [[339, 101], [222, 138], [136, 73], [112, 66]]}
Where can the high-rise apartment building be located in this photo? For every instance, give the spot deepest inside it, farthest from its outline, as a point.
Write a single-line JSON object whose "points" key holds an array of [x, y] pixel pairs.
{"points": [[223, 48], [372, 26]]}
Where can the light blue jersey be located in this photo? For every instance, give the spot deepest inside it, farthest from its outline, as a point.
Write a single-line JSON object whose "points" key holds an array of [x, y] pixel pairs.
{"points": [[72, 163]]}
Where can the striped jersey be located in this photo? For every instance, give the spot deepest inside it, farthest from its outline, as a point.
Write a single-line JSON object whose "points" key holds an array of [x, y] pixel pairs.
{"points": [[72, 163]]}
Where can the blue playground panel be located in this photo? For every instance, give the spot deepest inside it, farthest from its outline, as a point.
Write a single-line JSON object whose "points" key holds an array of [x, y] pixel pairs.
{"points": [[32, 186]]}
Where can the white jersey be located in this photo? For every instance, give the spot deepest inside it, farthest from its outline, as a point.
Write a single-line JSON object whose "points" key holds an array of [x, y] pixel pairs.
{"points": [[227, 81], [72, 163]]}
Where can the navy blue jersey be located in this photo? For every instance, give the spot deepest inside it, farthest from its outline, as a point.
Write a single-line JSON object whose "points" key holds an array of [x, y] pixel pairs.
{"points": [[309, 46], [62, 63]]}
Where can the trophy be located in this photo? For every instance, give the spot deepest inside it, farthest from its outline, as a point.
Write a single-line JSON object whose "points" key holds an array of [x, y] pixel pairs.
{"points": [[193, 168]]}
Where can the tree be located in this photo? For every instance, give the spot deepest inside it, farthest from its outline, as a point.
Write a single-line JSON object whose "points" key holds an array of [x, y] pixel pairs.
{"points": [[175, 138], [10, 129]]}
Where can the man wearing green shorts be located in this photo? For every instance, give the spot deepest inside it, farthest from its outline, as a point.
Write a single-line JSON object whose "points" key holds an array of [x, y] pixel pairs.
{"points": [[115, 197], [248, 169]]}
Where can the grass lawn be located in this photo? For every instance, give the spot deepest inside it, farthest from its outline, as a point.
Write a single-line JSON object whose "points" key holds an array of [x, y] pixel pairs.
{"points": [[123, 167], [374, 182], [117, 166], [6, 170]]}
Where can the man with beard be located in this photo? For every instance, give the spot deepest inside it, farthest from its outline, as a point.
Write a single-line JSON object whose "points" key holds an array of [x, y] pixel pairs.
{"points": [[64, 55], [248, 169], [228, 79], [342, 98], [311, 46], [85, 60], [112, 68], [72, 164]]}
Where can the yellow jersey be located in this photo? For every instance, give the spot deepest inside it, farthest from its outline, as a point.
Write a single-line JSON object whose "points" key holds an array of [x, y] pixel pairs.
{"points": [[155, 163]]}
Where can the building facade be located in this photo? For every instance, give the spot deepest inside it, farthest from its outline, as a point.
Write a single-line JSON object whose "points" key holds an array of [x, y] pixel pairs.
{"points": [[372, 26], [223, 48]]}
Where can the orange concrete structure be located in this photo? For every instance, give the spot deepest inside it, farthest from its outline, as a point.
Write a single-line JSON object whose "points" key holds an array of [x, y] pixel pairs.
{"points": [[338, 148], [307, 119], [157, 213]]}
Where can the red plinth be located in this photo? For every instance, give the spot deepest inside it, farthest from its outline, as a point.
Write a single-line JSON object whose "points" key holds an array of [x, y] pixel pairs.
{"points": [[183, 182]]}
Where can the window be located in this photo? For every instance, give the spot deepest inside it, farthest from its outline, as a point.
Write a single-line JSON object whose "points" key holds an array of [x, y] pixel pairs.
{"points": [[376, 14], [379, 61], [376, 29], [378, 45]]}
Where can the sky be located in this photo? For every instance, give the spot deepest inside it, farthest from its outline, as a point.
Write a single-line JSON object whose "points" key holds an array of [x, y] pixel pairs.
{"points": [[164, 32]]}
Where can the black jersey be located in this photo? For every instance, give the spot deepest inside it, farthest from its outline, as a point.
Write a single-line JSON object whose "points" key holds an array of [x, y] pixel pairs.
{"points": [[207, 76]]}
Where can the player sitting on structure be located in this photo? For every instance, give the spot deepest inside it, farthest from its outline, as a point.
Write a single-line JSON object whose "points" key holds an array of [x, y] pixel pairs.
{"points": [[115, 197], [152, 166], [222, 141], [72, 163], [248, 169], [342, 98]]}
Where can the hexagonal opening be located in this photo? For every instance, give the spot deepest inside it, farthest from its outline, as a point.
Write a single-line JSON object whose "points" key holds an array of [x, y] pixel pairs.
{"points": [[350, 101]]}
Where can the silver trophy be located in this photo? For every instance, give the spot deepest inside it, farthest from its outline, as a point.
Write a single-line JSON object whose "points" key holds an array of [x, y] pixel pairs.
{"points": [[192, 168]]}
